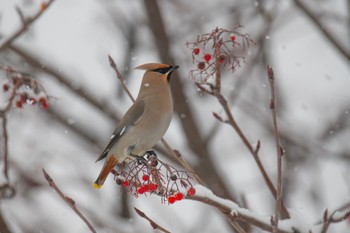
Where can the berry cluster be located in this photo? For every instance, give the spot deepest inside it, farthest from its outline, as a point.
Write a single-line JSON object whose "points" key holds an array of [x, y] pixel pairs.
{"points": [[24, 89], [220, 47], [149, 175]]}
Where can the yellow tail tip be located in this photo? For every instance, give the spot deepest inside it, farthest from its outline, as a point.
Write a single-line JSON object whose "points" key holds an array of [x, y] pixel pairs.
{"points": [[97, 186]]}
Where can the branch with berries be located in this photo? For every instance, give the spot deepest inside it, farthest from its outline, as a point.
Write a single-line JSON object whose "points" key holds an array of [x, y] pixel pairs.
{"points": [[19, 90], [149, 175]]}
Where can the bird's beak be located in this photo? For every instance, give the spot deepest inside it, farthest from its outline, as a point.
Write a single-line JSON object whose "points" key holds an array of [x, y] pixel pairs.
{"points": [[172, 68]]}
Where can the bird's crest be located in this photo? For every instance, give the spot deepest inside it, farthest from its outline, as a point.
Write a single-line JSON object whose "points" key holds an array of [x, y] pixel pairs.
{"points": [[152, 66]]}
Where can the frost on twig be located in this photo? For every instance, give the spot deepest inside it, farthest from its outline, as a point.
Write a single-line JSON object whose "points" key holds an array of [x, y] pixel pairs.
{"points": [[236, 213]]}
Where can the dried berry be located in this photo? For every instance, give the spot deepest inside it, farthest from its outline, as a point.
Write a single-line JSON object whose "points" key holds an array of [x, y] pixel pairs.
{"points": [[201, 65], [119, 181], [5, 87], [173, 177]]}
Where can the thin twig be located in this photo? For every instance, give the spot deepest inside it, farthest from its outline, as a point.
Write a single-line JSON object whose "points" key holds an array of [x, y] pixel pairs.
{"points": [[69, 201], [64, 80], [327, 221], [3, 225], [271, 79], [120, 77], [25, 25], [3, 115], [153, 223], [240, 133], [5, 146]]}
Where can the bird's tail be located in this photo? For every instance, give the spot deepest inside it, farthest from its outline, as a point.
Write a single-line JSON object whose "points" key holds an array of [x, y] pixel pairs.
{"points": [[111, 161]]}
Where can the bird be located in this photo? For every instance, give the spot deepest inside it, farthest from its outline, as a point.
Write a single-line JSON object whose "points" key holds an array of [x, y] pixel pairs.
{"points": [[144, 123]]}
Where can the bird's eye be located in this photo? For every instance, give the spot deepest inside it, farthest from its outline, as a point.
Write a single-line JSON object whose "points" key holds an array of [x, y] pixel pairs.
{"points": [[162, 70]]}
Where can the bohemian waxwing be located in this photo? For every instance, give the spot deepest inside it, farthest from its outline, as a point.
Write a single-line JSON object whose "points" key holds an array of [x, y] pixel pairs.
{"points": [[144, 124]]}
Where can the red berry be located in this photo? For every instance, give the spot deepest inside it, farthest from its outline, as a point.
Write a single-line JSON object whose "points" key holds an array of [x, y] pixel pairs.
{"points": [[44, 103], [145, 188], [196, 51], [201, 65], [191, 191], [179, 196], [140, 190], [145, 177], [19, 104], [171, 200], [233, 38], [126, 183], [5, 87], [152, 187], [207, 57]]}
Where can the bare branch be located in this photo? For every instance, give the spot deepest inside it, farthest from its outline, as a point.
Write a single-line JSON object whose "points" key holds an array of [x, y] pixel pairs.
{"points": [[25, 25], [234, 214], [69, 201], [153, 223], [120, 77], [271, 79]]}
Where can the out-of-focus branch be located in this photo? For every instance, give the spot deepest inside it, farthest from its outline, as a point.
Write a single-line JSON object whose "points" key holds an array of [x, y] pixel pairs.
{"points": [[5, 145], [330, 37], [206, 169], [271, 79], [69, 201], [155, 225], [26, 23], [3, 225], [3, 116], [81, 92], [120, 77], [83, 134]]}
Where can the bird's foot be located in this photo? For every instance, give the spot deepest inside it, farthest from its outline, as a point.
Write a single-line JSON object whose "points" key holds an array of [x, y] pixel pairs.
{"points": [[140, 159]]}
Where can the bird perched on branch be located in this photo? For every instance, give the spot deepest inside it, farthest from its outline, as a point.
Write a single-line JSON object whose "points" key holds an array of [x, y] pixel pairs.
{"points": [[144, 124]]}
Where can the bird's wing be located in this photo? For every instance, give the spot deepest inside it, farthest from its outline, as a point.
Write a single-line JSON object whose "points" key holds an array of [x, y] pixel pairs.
{"points": [[131, 117]]}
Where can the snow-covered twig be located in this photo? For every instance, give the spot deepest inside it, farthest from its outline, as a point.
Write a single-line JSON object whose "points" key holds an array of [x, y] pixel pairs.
{"points": [[233, 211], [70, 202]]}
